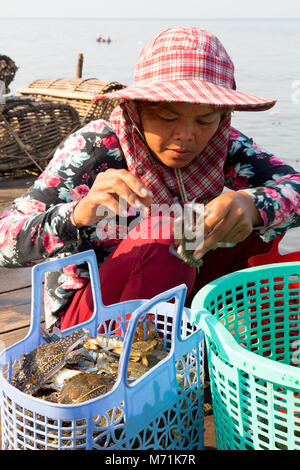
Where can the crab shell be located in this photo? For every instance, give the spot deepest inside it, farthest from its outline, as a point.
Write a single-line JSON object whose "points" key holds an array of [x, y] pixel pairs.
{"points": [[187, 255], [135, 369], [183, 227], [85, 386], [44, 361], [139, 350], [107, 343]]}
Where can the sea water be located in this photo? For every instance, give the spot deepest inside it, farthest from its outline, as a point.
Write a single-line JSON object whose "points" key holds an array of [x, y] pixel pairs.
{"points": [[266, 55]]}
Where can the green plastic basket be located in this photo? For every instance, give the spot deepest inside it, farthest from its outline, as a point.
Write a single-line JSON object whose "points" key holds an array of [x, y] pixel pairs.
{"points": [[252, 328]]}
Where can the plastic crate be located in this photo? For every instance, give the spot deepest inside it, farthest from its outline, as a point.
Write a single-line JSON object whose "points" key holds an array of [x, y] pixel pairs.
{"points": [[252, 330], [161, 410]]}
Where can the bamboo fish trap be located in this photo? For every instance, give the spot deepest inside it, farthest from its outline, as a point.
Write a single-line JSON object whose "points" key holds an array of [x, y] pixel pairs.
{"points": [[31, 130], [8, 69], [77, 92]]}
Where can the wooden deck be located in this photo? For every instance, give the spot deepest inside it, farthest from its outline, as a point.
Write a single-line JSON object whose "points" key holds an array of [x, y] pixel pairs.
{"points": [[15, 296], [15, 284]]}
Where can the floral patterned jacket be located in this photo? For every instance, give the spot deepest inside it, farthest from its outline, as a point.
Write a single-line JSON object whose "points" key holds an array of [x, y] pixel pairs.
{"points": [[38, 225]]}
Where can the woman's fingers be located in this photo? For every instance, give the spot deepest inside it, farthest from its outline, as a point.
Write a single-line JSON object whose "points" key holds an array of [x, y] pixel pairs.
{"points": [[228, 220], [113, 190], [126, 185], [110, 205], [220, 232], [216, 213]]}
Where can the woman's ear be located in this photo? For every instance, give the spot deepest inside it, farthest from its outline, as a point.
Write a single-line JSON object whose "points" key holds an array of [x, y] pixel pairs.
{"points": [[228, 111]]}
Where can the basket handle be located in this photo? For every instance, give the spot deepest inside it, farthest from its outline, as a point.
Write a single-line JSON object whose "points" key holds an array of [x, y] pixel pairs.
{"points": [[216, 332], [38, 272], [232, 353], [179, 294]]}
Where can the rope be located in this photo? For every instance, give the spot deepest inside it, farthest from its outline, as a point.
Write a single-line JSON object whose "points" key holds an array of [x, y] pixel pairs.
{"points": [[88, 393], [52, 359]]}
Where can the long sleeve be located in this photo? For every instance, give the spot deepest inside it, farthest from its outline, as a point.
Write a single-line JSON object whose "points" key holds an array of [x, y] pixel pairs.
{"points": [[273, 185], [38, 225]]}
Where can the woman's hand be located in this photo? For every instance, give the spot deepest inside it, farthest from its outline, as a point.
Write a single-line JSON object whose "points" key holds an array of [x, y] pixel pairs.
{"points": [[108, 187], [231, 219]]}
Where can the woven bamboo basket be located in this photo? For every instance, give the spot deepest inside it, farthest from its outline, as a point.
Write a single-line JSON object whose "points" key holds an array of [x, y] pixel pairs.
{"points": [[78, 92], [8, 69], [31, 130]]}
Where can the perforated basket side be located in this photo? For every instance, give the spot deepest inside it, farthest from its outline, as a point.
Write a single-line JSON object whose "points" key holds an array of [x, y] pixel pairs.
{"points": [[251, 324], [103, 423], [163, 409]]}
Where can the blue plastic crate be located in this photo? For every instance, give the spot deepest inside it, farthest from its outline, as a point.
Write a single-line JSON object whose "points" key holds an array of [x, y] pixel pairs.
{"points": [[161, 410]]}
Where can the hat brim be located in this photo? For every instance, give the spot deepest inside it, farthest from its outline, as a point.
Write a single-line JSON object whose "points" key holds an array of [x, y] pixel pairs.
{"points": [[191, 91]]}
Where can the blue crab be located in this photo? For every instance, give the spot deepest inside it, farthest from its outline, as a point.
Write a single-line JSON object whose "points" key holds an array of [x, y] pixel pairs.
{"points": [[109, 364], [146, 340], [82, 387], [81, 361], [44, 361], [138, 353]]}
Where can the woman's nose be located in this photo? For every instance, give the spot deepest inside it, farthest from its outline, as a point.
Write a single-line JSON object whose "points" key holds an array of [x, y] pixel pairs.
{"points": [[185, 131]]}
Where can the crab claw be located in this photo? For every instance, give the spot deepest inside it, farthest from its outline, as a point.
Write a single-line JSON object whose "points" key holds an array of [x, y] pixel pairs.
{"points": [[117, 350], [91, 344], [145, 361]]}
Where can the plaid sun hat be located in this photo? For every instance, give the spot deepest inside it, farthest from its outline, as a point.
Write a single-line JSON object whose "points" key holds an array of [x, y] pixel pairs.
{"points": [[188, 65]]}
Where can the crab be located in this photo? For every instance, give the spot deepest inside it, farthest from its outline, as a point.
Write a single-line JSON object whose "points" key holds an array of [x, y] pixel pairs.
{"points": [[135, 369], [85, 386], [57, 380], [71, 387], [78, 362], [109, 364], [139, 350], [186, 229], [44, 361], [156, 356], [189, 234]]}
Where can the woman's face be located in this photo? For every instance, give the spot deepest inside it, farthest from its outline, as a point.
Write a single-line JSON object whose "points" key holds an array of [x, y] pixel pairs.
{"points": [[178, 132]]}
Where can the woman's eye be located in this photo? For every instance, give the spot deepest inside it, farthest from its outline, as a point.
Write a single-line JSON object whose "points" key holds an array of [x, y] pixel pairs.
{"points": [[203, 123], [168, 119]]}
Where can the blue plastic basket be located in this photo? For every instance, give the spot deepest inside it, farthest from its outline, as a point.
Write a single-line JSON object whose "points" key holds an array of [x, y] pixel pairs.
{"points": [[161, 410], [251, 320]]}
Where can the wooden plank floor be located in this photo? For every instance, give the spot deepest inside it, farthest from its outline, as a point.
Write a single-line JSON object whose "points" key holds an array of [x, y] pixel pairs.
{"points": [[15, 283], [15, 296]]}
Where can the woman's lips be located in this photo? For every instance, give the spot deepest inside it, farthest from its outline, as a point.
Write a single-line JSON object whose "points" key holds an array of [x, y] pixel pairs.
{"points": [[184, 153]]}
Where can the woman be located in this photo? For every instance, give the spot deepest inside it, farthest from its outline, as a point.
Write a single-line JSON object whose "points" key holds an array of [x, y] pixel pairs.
{"points": [[169, 140]]}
